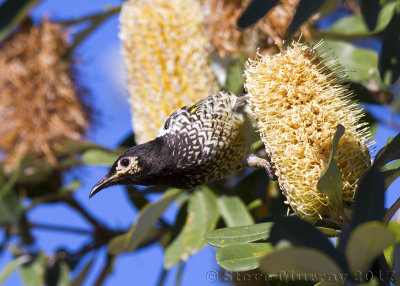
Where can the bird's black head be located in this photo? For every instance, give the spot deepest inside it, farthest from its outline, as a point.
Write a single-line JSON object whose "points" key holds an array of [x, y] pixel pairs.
{"points": [[134, 167]]}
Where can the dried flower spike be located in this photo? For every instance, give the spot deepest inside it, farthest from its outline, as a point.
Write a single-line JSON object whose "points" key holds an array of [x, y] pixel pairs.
{"points": [[166, 59], [298, 100], [226, 38], [40, 103]]}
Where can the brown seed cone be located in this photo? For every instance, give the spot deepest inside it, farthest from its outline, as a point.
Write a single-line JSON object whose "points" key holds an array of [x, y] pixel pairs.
{"points": [[40, 103], [221, 19], [298, 100]]}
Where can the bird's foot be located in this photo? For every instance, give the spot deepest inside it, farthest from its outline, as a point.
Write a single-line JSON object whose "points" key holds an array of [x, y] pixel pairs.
{"points": [[241, 102], [256, 162]]}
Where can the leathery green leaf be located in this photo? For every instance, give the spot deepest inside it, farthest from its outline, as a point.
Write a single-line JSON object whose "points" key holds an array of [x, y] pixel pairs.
{"points": [[391, 172], [330, 182], [148, 215], [360, 64], [234, 211], [33, 273], [365, 243], [295, 263], [202, 217], [242, 257], [13, 265], [99, 157], [389, 153], [369, 198], [394, 227], [238, 235], [354, 25], [174, 252]]}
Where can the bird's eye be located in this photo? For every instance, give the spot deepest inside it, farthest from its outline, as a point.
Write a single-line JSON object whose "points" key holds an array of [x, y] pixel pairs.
{"points": [[125, 162]]}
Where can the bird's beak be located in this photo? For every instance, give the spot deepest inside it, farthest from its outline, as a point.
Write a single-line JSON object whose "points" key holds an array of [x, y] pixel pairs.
{"points": [[104, 183]]}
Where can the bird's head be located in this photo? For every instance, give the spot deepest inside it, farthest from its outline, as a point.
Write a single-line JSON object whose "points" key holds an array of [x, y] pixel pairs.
{"points": [[122, 172], [134, 167]]}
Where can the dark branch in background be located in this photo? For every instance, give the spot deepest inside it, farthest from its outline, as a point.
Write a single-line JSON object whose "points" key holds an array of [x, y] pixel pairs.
{"points": [[92, 17], [60, 228], [13, 12], [95, 21], [75, 205], [105, 271]]}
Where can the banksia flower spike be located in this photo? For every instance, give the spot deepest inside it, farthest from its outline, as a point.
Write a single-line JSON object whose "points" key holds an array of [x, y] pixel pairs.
{"points": [[40, 104], [166, 56], [298, 100]]}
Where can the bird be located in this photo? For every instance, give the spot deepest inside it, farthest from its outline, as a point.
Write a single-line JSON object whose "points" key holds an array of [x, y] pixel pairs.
{"points": [[195, 145]]}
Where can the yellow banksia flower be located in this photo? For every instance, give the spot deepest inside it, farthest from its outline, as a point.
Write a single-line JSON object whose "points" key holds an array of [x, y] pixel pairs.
{"points": [[298, 100], [166, 55], [40, 102]]}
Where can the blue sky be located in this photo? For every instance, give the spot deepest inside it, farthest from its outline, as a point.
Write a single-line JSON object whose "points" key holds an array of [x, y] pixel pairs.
{"points": [[101, 72]]}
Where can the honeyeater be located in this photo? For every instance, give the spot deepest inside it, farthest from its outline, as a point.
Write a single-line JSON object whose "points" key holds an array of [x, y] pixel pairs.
{"points": [[197, 144]]}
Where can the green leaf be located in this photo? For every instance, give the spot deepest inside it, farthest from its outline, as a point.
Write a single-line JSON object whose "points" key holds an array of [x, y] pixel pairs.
{"points": [[174, 246], [70, 147], [360, 64], [304, 10], [391, 172], [99, 157], [12, 180], [372, 282], [234, 80], [242, 257], [370, 11], [63, 278], [57, 273], [13, 12], [394, 227], [353, 26], [369, 198], [298, 232], [10, 209], [238, 235], [233, 211], [174, 252], [254, 12], [294, 262], [82, 276], [33, 273], [330, 181], [389, 59], [328, 7], [13, 265], [390, 152], [202, 216], [143, 224], [117, 244], [365, 243], [329, 232]]}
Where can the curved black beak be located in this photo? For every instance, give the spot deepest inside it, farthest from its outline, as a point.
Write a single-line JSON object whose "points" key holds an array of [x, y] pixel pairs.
{"points": [[104, 183]]}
